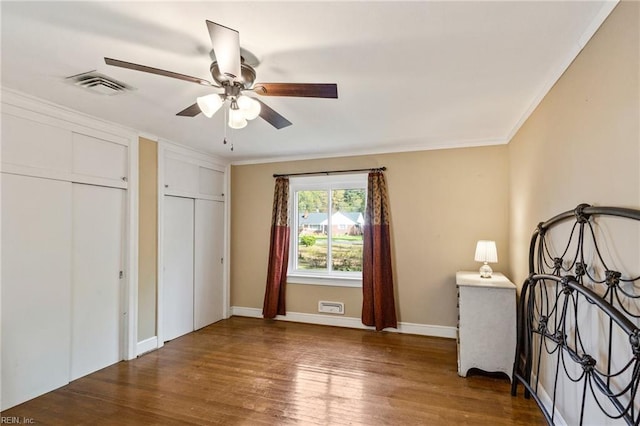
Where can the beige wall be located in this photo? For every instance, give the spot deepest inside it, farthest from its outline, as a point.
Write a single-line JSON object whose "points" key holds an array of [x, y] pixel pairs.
{"points": [[147, 238], [442, 202], [582, 144]]}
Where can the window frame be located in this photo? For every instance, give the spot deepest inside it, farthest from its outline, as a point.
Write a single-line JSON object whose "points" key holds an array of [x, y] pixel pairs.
{"points": [[324, 183]]}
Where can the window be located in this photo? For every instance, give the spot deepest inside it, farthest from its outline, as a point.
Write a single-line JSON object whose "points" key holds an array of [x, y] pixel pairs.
{"points": [[327, 223]]}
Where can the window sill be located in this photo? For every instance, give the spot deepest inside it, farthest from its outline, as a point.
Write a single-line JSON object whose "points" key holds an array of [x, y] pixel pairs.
{"points": [[334, 281]]}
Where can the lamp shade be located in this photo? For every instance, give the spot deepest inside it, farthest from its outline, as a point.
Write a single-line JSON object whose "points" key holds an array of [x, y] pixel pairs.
{"points": [[486, 251], [209, 104], [236, 119], [249, 106]]}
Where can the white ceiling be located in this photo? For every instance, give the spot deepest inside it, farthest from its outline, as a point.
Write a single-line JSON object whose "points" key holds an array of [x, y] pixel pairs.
{"points": [[410, 75]]}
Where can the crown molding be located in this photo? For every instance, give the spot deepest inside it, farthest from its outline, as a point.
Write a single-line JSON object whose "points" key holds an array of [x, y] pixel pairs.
{"points": [[468, 143], [24, 101]]}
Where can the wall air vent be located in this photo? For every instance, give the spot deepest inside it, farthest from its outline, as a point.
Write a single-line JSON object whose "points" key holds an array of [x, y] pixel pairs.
{"points": [[98, 83], [331, 307]]}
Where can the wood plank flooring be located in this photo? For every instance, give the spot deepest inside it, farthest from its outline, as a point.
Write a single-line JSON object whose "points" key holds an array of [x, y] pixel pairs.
{"points": [[246, 371]]}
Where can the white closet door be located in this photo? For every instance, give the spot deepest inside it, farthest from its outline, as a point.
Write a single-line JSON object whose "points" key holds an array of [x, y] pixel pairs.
{"points": [[36, 277], [38, 147], [96, 323], [211, 182], [209, 237], [98, 158], [181, 176], [178, 267]]}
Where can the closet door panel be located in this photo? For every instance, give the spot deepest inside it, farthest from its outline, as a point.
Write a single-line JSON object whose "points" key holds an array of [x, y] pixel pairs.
{"points": [[98, 235], [209, 296], [37, 146], [211, 182], [181, 176], [178, 266], [99, 159], [36, 277]]}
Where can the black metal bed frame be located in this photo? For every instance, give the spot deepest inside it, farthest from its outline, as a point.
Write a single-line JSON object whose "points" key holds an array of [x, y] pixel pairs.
{"points": [[555, 340]]}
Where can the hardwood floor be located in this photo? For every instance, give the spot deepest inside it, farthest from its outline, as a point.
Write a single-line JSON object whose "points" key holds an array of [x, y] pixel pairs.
{"points": [[245, 371]]}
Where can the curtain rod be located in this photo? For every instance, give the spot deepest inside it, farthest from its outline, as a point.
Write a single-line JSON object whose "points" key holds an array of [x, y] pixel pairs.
{"points": [[383, 168]]}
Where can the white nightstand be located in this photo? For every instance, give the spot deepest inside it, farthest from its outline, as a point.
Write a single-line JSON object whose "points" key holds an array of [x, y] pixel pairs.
{"points": [[486, 323]]}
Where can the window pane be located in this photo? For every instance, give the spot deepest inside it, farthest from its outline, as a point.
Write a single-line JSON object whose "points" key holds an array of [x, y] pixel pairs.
{"points": [[346, 229], [312, 230]]}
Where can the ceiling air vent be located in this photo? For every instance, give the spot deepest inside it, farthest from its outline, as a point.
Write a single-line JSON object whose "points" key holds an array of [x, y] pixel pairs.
{"points": [[99, 83]]}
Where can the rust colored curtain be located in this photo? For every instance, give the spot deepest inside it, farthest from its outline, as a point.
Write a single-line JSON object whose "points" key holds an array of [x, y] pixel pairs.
{"points": [[274, 296], [378, 305]]}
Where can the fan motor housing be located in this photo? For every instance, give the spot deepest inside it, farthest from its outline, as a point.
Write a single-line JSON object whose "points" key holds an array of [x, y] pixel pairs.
{"points": [[247, 75]]}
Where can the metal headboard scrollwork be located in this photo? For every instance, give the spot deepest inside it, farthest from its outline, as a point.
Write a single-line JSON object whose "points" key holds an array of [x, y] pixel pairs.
{"points": [[578, 347]]}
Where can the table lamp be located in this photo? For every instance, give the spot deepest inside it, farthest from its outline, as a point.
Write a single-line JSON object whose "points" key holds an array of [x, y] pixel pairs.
{"points": [[486, 252]]}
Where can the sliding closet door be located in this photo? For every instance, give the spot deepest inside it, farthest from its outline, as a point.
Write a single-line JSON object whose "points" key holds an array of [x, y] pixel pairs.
{"points": [[209, 227], [36, 276], [178, 267], [96, 289]]}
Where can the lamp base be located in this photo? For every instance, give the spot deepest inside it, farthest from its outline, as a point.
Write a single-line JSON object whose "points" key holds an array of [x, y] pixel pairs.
{"points": [[485, 271]]}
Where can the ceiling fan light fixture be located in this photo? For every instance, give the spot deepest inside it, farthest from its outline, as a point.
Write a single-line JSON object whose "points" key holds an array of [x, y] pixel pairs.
{"points": [[237, 119], [209, 104], [249, 106], [233, 75]]}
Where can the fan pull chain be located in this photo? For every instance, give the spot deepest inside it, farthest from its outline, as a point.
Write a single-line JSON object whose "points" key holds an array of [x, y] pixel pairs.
{"points": [[224, 141]]}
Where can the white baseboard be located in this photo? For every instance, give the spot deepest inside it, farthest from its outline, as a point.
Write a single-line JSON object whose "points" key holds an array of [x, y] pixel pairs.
{"points": [[349, 322], [147, 345]]}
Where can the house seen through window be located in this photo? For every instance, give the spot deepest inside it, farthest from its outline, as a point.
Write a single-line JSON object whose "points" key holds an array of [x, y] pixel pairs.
{"points": [[328, 219]]}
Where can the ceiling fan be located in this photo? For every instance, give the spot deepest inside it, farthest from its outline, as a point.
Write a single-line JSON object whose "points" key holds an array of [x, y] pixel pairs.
{"points": [[234, 76]]}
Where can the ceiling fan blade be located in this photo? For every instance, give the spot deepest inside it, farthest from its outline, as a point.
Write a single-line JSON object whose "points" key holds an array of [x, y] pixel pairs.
{"points": [[269, 115], [226, 47], [158, 71], [190, 111], [305, 90]]}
